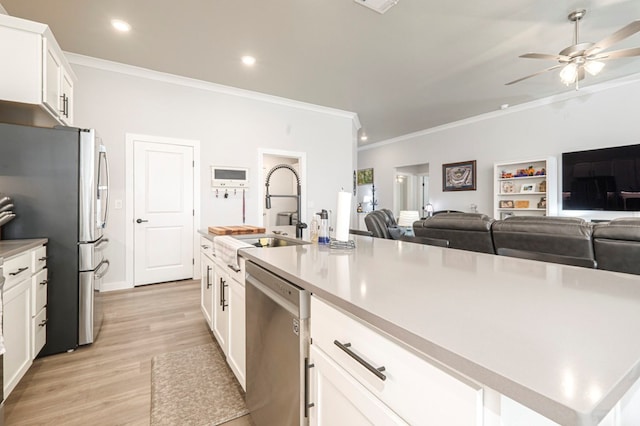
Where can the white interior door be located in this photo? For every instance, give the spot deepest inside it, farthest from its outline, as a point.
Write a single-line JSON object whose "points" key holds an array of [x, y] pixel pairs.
{"points": [[163, 212]]}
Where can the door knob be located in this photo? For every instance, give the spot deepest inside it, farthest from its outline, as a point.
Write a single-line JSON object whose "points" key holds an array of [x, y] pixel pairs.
{"points": [[141, 220]]}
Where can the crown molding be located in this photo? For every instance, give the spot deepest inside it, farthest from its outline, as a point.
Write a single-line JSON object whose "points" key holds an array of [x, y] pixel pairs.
{"points": [[562, 97], [117, 67]]}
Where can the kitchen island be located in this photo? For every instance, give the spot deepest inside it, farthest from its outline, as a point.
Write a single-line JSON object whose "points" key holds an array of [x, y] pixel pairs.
{"points": [[560, 340]]}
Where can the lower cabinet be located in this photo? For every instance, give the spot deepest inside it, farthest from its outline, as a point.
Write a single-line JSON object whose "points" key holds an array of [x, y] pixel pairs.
{"points": [[17, 333], [369, 369], [237, 344], [207, 273], [221, 307], [339, 399]]}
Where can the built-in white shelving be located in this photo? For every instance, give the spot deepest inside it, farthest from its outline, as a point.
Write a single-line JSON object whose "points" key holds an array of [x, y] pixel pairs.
{"points": [[526, 187]]}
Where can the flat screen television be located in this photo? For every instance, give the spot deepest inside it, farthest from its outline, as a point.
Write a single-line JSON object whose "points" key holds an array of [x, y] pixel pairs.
{"points": [[602, 179]]}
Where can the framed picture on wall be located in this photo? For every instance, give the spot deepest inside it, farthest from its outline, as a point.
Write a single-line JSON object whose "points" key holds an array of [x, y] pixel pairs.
{"points": [[459, 176], [365, 177]]}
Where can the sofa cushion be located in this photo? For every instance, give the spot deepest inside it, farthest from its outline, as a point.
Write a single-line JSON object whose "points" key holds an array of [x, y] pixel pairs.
{"points": [[566, 236], [617, 245], [465, 231]]}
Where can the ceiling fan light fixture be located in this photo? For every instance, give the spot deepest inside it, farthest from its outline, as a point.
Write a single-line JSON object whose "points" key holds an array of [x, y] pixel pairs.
{"points": [[569, 74], [594, 67]]}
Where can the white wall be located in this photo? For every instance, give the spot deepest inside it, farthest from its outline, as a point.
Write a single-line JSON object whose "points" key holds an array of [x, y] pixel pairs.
{"points": [[231, 125], [595, 117]]}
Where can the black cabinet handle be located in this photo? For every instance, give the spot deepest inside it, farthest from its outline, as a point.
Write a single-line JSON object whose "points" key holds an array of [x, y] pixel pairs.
{"points": [[234, 268], [42, 259], [376, 371], [43, 323], [141, 220], [223, 302], [20, 270], [208, 276], [44, 282]]}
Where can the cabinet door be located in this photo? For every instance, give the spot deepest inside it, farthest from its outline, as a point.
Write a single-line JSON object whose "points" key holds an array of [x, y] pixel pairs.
{"points": [[206, 288], [338, 399], [221, 308], [237, 344], [51, 79], [66, 107], [17, 334], [21, 59]]}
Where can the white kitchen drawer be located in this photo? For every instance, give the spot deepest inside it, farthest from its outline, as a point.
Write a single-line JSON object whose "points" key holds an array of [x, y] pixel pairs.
{"points": [[39, 291], [206, 247], [38, 258], [237, 274], [17, 269], [415, 389], [39, 332]]}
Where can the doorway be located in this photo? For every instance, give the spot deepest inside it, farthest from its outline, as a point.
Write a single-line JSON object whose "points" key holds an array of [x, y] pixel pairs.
{"points": [[162, 195], [283, 209], [411, 188]]}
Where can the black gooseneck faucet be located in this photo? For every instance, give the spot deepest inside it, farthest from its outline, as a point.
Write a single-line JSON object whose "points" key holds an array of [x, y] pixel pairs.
{"points": [[299, 226]]}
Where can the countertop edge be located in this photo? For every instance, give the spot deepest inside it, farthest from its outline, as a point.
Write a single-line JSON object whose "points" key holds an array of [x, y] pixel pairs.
{"points": [[18, 246], [476, 373]]}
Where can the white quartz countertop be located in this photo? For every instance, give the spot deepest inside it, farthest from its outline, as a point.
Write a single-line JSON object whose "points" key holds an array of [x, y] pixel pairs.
{"points": [[561, 340], [9, 248]]}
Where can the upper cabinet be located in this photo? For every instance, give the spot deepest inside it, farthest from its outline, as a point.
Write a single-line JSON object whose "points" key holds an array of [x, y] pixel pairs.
{"points": [[36, 75]]}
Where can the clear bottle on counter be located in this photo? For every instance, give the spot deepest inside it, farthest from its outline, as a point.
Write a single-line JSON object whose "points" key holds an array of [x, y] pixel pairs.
{"points": [[323, 233], [314, 227]]}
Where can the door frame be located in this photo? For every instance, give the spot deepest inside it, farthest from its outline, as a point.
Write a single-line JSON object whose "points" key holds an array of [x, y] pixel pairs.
{"points": [[302, 162], [129, 190]]}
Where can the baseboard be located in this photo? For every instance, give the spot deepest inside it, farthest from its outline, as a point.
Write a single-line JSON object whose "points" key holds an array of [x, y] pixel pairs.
{"points": [[116, 285]]}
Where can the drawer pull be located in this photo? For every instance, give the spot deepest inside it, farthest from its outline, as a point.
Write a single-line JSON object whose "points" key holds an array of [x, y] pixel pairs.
{"points": [[307, 404], [234, 268], [44, 282], [205, 247], [20, 270], [42, 259], [43, 323], [377, 371]]}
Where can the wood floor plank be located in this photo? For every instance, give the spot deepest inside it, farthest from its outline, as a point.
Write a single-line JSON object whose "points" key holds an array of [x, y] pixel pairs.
{"points": [[108, 382]]}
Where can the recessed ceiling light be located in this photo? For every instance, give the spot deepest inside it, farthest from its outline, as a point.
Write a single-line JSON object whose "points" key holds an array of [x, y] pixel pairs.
{"points": [[120, 25], [248, 60], [504, 106], [363, 138]]}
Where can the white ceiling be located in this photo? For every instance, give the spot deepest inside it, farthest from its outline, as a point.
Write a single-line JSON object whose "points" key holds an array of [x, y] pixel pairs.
{"points": [[422, 64]]}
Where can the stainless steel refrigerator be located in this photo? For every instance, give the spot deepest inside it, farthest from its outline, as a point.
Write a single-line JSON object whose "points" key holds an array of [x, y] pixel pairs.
{"points": [[58, 179]]}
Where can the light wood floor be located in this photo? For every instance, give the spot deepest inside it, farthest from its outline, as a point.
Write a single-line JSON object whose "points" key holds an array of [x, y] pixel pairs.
{"points": [[109, 382]]}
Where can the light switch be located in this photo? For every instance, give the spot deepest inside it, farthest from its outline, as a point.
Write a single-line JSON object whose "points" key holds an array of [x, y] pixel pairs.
{"points": [[118, 204]]}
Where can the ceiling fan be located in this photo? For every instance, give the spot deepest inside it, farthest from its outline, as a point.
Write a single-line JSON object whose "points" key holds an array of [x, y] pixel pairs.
{"points": [[580, 57]]}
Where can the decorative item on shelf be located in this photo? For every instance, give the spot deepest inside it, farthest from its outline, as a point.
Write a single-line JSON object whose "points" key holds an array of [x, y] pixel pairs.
{"points": [[506, 204], [521, 173], [543, 203], [531, 171], [522, 204], [428, 210], [541, 172], [528, 187], [506, 175], [543, 186], [508, 187], [359, 209], [459, 176]]}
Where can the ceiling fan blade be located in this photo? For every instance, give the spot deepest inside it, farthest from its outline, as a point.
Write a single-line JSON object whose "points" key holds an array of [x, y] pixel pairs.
{"points": [[623, 53], [546, 56], [619, 35], [535, 74]]}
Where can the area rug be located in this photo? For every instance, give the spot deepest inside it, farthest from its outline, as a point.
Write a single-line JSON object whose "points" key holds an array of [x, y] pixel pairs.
{"points": [[194, 387]]}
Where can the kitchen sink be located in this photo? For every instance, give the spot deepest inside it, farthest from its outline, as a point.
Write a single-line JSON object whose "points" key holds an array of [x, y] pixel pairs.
{"points": [[272, 241]]}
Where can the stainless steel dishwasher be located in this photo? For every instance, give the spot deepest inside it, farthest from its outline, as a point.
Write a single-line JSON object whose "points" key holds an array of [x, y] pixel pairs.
{"points": [[277, 314]]}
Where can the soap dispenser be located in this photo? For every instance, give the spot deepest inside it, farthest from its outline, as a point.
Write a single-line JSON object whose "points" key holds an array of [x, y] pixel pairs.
{"points": [[323, 232]]}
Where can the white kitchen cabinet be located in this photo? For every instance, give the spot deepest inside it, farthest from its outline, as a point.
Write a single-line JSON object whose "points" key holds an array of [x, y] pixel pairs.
{"points": [[236, 356], [35, 70], [17, 320], [39, 285], [339, 399], [207, 276], [221, 307], [419, 392]]}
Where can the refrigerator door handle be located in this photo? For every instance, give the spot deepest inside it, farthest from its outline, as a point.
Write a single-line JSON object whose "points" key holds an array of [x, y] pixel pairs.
{"points": [[99, 275], [103, 157]]}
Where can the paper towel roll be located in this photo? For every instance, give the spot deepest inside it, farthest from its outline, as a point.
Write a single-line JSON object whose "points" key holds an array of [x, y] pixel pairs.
{"points": [[343, 216]]}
